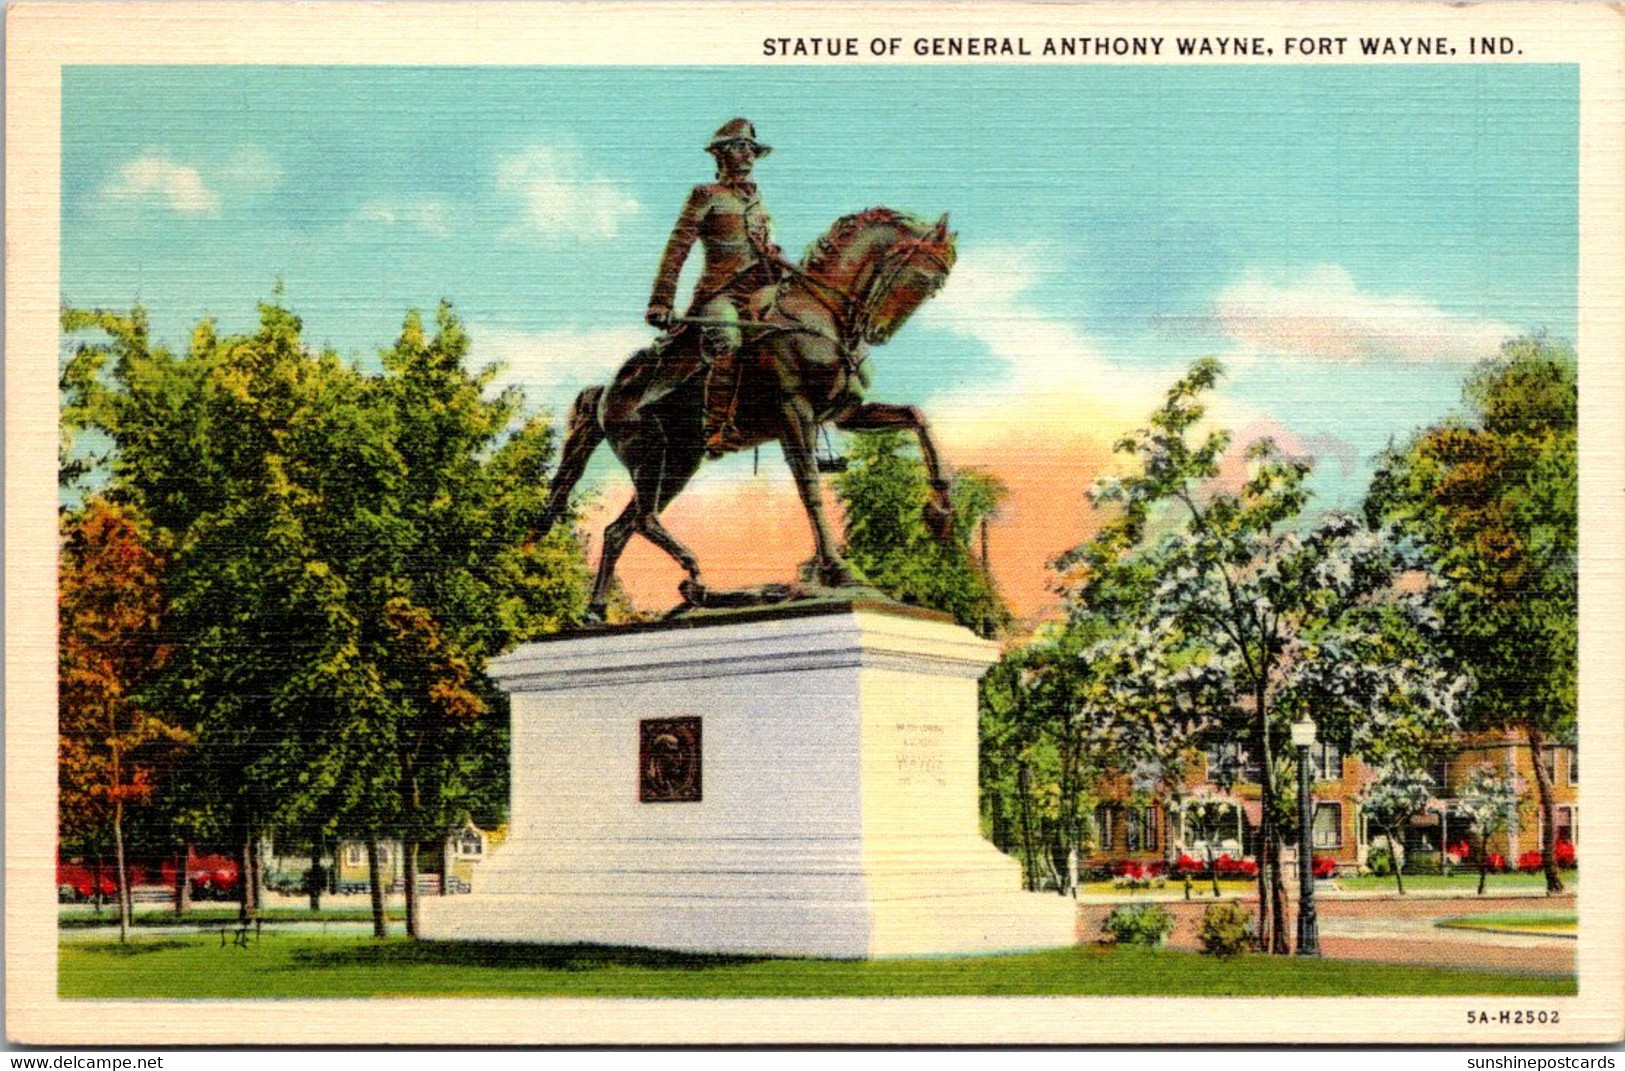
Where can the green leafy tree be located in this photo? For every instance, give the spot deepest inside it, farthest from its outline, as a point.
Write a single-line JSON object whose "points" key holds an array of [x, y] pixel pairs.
{"points": [[883, 494], [346, 550], [1491, 499]]}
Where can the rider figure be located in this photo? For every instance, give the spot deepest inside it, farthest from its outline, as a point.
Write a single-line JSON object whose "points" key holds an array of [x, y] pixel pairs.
{"points": [[728, 220]]}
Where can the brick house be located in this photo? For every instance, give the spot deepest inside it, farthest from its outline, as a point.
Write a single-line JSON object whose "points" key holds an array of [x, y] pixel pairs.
{"points": [[1168, 827]]}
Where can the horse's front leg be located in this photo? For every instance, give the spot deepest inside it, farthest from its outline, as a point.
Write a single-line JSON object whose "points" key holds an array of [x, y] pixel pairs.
{"points": [[800, 430], [883, 416]]}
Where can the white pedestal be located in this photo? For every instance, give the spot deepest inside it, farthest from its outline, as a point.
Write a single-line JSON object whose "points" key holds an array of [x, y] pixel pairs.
{"points": [[838, 796]]}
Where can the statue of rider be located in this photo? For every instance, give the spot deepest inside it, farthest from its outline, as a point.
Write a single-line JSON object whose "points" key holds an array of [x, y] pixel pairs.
{"points": [[728, 220]]}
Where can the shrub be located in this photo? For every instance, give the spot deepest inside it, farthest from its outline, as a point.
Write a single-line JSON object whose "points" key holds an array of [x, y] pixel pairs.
{"points": [[1138, 924], [1495, 863], [1424, 863], [1529, 862], [1226, 930], [1380, 861], [1565, 854], [1324, 866]]}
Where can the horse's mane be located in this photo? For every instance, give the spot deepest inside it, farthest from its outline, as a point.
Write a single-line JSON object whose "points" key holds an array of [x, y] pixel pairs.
{"points": [[843, 230]]}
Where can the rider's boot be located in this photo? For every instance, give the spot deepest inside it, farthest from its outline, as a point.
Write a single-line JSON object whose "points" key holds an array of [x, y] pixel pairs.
{"points": [[721, 349]]}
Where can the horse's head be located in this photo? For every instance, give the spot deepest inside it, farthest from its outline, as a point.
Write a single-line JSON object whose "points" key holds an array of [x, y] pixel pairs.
{"points": [[885, 264], [907, 275]]}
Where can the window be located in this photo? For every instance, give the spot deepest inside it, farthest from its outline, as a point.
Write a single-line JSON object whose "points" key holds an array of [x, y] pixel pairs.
{"points": [[1439, 774], [352, 855], [470, 843], [1142, 830], [1104, 816], [1227, 761], [1328, 825], [1574, 765], [1326, 762], [1548, 759]]}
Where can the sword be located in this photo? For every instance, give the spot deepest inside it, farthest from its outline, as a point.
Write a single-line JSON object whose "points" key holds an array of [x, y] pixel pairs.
{"points": [[743, 325]]}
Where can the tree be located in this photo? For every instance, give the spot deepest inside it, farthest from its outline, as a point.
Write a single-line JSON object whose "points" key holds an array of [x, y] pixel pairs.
{"points": [[1491, 499], [1396, 795], [1489, 801], [347, 549], [113, 747], [883, 494], [1237, 612]]}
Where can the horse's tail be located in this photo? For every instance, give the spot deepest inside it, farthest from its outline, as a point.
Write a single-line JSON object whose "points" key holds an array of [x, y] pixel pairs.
{"points": [[582, 435]]}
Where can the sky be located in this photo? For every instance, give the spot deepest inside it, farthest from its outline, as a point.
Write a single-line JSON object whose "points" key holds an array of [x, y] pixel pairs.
{"points": [[1348, 241]]}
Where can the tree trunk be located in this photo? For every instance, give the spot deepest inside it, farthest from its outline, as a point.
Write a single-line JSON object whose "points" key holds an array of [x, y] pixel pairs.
{"points": [[1269, 923], [1548, 811], [445, 866], [409, 862], [1399, 864], [255, 860], [1483, 873], [1023, 782], [1212, 870], [380, 924], [247, 901], [315, 878], [96, 880], [183, 880], [122, 874], [1278, 900]]}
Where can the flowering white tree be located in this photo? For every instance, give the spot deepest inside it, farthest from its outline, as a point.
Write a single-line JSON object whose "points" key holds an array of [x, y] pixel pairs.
{"points": [[1225, 612], [1489, 801], [1398, 794]]}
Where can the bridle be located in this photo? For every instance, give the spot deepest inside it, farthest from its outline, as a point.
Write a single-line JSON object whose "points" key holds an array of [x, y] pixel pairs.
{"points": [[854, 316]]}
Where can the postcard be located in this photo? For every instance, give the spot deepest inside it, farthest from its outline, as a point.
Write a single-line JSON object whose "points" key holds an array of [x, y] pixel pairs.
{"points": [[654, 523]]}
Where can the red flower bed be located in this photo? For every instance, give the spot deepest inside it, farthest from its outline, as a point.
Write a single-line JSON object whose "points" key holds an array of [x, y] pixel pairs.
{"points": [[1565, 854], [1235, 868], [1495, 863], [1324, 866], [1529, 862]]}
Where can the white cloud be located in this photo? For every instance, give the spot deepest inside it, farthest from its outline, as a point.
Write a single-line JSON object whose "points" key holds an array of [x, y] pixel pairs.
{"points": [[551, 366], [433, 217], [1055, 380], [154, 179], [559, 198], [1324, 316]]}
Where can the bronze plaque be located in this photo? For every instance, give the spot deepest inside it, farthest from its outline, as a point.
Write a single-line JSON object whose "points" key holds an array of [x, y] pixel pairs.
{"points": [[669, 760]]}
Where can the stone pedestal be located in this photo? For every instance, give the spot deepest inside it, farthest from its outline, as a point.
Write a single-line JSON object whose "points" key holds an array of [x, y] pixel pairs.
{"points": [[797, 782]]}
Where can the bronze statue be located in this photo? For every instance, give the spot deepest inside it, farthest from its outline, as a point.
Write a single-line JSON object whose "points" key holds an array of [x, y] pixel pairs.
{"points": [[800, 363], [729, 221]]}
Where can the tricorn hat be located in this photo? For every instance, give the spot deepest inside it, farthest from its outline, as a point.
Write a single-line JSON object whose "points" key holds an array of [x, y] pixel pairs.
{"points": [[737, 130]]}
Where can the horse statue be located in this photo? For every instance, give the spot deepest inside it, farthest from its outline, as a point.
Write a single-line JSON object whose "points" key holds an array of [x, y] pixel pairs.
{"points": [[801, 365]]}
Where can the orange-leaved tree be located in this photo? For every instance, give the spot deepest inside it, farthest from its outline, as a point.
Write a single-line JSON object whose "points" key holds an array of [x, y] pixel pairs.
{"points": [[111, 747]]}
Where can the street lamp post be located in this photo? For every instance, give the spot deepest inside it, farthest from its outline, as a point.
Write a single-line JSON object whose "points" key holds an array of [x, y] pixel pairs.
{"points": [[1303, 738]]}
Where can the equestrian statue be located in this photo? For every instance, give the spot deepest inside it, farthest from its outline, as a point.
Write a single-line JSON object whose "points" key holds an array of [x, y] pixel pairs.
{"points": [[768, 351]]}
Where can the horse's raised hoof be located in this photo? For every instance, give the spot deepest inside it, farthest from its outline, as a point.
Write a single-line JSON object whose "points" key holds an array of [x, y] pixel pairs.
{"points": [[692, 591]]}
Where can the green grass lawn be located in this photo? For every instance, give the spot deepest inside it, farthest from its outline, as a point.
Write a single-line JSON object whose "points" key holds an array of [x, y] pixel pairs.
{"points": [[1462, 881], [77, 917], [288, 965], [1533, 922]]}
